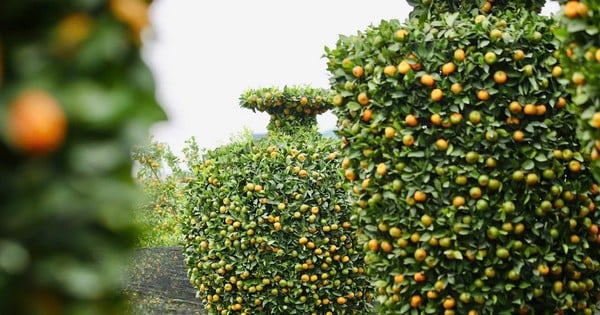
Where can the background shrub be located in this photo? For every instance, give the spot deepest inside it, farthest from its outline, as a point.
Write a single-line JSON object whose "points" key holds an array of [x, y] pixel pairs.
{"points": [[470, 189], [163, 177]]}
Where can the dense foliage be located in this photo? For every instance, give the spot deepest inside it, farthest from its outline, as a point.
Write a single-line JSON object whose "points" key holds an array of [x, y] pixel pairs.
{"points": [[74, 97], [267, 226], [470, 189], [580, 58]]}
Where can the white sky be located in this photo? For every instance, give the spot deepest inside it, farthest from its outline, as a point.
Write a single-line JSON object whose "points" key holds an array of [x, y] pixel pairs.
{"points": [[206, 53]]}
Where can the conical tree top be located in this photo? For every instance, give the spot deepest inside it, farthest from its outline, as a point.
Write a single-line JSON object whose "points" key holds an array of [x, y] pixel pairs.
{"points": [[424, 8], [291, 107]]}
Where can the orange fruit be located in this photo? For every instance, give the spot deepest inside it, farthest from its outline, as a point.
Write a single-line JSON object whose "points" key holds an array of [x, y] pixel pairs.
{"points": [[346, 163], [432, 295], [475, 192], [518, 135], [390, 132], [341, 300], [338, 100], [540, 110], [415, 301], [486, 7], [411, 120], [395, 232], [557, 71], [386, 247], [415, 65], [483, 95], [459, 55], [436, 119], [496, 34], [404, 67], [456, 88], [373, 245], [350, 175], [448, 68], [458, 201], [419, 276], [455, 118], [571, 9], [515, 107], [36, 122], [439, 285], [420, 254], [449, 303], [401, 34], [518, 55], [73, 30], [426, 220], [582, 10], [500, 77], [427, 80], [441, 144], [420, 196], [415, 237], [389, 70], [574, 166], [543, 269], [358, 71], [381, 169], [399, 278], [578, 78], [408, 140], [367, 115], [531, 179], [561, 103], [132, 12], [574, 238], [436, 95], [362, 98], [530, 109], [595, 121]]}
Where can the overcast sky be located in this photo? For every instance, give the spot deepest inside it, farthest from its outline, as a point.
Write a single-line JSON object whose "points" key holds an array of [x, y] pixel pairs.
{"points": [[206, 53]]}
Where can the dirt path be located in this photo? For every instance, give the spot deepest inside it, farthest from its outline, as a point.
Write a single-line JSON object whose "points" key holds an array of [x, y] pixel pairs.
{"points": [[158, 284]]}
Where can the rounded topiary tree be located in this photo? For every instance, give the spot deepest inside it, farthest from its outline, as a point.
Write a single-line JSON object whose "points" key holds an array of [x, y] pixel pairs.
{"points": [[580, 58], [267, 228], [470, 190], [75, 96]]}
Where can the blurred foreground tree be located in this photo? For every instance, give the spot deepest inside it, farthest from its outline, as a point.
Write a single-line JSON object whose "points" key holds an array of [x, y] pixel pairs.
{"points": [[75, 96]]}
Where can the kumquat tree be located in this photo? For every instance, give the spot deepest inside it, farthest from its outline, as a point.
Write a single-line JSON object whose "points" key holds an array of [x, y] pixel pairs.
{"points": [[471, 192], [267, 226]]}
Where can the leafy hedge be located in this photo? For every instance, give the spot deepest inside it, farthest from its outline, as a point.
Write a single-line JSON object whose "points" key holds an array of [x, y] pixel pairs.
{"points": [[267, 228], [471, 192], [75, 95]]}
